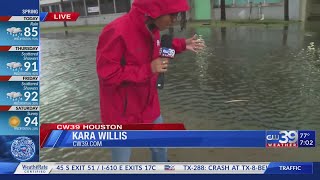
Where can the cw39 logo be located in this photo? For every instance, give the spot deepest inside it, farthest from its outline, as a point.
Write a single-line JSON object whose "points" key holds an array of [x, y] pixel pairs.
{"points": [[282, 137]]}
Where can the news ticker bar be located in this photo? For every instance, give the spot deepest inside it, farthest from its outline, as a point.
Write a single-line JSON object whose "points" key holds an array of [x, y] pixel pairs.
{"points": [[176, 138], [158, 168]]}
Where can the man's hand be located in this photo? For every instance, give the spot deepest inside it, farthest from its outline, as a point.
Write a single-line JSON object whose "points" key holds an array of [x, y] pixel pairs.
{"points": [[159, 65], [195, 45]]}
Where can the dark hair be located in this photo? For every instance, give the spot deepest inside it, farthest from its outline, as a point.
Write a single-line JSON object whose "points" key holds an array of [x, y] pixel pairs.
{"points": [[182, 17]]}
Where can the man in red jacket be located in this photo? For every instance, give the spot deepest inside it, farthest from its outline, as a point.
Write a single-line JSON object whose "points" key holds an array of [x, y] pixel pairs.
{"points": [[128, 65]]}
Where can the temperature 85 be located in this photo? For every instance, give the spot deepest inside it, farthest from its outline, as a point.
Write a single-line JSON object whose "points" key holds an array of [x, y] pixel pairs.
{"points": [[31, 31]]}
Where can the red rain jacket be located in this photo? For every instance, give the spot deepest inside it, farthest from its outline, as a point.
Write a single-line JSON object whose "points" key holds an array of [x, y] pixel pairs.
{"points": [[128, 91]]}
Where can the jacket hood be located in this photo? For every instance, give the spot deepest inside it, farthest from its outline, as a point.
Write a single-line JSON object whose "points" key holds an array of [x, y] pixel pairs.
{"points": [[156, 8]]}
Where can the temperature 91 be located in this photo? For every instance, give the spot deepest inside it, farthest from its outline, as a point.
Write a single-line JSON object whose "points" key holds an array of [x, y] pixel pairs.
{"points": [[29, 65]]}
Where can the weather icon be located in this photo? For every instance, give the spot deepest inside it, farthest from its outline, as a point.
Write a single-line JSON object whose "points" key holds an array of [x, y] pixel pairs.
{"points": [[15, 96], [13, 31], [16, 66], [14, 121]]}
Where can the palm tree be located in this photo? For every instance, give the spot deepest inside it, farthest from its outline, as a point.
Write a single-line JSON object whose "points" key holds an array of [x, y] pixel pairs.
{"points": [[286, 10], [223, 10]]}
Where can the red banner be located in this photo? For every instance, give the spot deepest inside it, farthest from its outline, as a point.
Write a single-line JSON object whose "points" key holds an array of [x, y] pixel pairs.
{"points": [[62, 16], [5, 78], [5, 18], [4, 108], [5, 48]]}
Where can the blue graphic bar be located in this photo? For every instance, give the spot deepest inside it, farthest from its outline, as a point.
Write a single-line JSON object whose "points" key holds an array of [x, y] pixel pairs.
{"points": [[53, 138], [8, 168], [20, 8], [290, 168], [19, 85], [43, 16], [217, 139], [19, 33], [19, 63], [307, 139], [19, 93], [19, 123], [276, 168]]}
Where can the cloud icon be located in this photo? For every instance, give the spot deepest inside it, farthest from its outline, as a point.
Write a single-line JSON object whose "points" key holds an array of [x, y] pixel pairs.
{"points": [[14, 31], [10, 65], [10, 30], [17, 95], [17, 65], [14, 65], [11, 94], [17, 30], [14, 95]]}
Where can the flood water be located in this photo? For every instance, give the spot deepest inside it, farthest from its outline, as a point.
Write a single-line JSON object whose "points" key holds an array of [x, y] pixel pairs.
{"points": [[248, 77]]}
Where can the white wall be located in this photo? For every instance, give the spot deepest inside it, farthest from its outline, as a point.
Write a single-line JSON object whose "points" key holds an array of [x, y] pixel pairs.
{"points": [[270, 12], [49, 1], [275, 12], [84, 21], [294, 10]]}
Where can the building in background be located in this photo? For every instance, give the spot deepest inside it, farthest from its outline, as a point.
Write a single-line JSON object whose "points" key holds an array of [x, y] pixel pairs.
{"points": [[100, 12], [86, 7], [92, 12], [253, 9], [313, 10]]}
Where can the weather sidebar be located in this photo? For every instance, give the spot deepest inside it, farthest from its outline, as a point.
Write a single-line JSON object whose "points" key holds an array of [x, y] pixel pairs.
{"points": [[19, 81]]}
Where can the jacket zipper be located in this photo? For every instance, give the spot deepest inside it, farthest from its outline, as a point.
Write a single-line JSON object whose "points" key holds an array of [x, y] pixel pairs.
{"points": [[151, 57], [125, 104]]}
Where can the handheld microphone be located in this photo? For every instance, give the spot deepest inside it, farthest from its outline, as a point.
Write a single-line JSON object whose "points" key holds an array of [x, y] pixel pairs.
{"points": [[166, 51]]}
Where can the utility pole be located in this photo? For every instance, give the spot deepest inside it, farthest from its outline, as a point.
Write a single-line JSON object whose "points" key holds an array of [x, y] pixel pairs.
{"points": [[223, 10], [64, 22], [286, 10]]}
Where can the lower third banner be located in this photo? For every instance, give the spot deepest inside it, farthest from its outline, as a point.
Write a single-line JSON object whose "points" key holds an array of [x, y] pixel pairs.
{"points": [[159, 168], [218, 139]]}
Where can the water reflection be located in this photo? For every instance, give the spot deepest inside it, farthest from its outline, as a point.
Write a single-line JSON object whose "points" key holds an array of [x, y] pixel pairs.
{"points": [[223, 34], [285, 35]]}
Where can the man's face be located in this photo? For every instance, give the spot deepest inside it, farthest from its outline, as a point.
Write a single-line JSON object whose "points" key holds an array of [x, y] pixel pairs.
{"points": [[165, 21]]}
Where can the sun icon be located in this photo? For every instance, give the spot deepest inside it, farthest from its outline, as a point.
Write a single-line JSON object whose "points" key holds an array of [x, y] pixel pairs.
{"points": [[14, 121]]}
